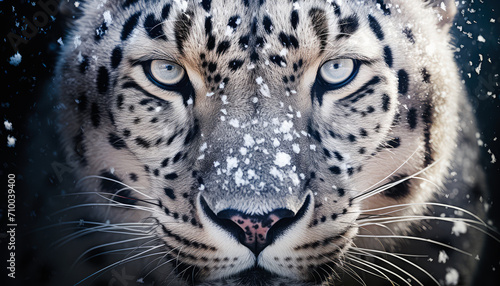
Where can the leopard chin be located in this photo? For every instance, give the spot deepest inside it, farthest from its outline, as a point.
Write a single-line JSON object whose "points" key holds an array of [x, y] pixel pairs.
{"points": [[265, 143]]}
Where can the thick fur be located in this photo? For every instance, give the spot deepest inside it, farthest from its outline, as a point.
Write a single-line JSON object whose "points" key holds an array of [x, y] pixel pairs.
{"points": [[252, 97]]}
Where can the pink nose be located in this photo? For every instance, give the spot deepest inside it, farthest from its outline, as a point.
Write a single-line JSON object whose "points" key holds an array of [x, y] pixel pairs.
{"points": [[255, 228], [255, 234]]}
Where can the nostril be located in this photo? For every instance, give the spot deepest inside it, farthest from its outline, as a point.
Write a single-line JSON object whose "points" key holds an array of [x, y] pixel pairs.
{"points": [[255, 227]]}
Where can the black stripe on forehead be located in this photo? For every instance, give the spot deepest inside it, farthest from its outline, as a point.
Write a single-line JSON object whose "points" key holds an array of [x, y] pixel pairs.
{"points": [[320, 25], [348, 26], [182, 28]]}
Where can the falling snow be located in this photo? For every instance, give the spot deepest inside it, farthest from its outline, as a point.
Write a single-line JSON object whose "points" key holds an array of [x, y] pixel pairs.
{"points": [[11, 141], [15, 60]]}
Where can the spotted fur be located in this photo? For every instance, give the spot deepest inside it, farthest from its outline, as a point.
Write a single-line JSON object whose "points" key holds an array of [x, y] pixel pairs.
{"points": [[177, 159]]}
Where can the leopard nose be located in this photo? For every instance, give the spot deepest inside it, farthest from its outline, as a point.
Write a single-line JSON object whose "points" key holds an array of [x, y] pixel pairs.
{"points": [[253, 231]]}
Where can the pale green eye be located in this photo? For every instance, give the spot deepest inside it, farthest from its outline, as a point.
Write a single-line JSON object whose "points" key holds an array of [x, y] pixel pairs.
{"points": [[338, 72], [166, 73]]}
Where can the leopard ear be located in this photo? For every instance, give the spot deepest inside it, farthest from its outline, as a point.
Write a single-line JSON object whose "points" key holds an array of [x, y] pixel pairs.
{"points": [[445, 10]]}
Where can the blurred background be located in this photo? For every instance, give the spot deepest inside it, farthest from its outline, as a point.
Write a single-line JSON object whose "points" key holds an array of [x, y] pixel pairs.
{"points": [[28, 109]]}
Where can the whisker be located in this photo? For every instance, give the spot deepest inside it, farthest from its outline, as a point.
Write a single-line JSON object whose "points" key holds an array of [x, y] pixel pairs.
{"points": [[415, 238], [126, 260], [387, 262], [114, 181], [402, 259], [373, 266]]}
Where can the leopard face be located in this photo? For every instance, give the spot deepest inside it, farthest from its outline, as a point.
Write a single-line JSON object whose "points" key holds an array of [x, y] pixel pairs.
{"points": [[253, 136]]}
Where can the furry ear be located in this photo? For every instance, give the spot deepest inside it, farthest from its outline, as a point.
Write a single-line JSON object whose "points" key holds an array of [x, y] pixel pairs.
{"points": [[445, 10]]}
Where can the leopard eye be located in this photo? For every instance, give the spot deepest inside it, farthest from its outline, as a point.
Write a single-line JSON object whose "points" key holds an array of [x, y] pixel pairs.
{"points": [[339, 72], [164, 74]]}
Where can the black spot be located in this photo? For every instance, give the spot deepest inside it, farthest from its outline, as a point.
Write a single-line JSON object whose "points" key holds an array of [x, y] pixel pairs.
{"points": [[348, 26], [171, 176], [409, 34], [208, 26], [246, 3], [327, 153], [259, 42], [95, 116], [129, 25], [154, 27], [336, 9], [314, 133], [403, 81], [254, 26], [217, 78], [426, 76], [334, 216], [320, 25], [192, 134], [363, 132], [126, 133], [254, 57], [234, 65], [388, 56], [294, 19], [145, 101], [352, 138], [277, 59], [384, 7], [82, 102], [212, 67], [129, 3], [116, 57], [285, 79], [165, 12], [386, 102], [412, 118], [341, 192], [362, 150], [113, 185], [84, 64], [177, 157], [133, 177], [268, 24], [182, 28], [400, 190], [233, 21], [102, 80], [223, 47], [338, 156], [169, 192], [393, 143], [375, 26], [100, 31], [427, 118], [366, 89], [116, 141], [244, 42], [206, 4], [332, 134], [211, 43], [156, 172], [288, 41], [142, 142], [335, 170]]}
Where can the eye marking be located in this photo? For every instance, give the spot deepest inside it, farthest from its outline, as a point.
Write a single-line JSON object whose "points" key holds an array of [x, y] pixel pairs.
{"points": [[338, 72], [165, 74]]}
